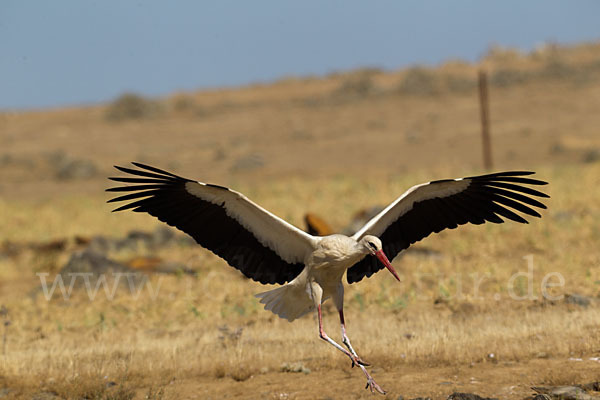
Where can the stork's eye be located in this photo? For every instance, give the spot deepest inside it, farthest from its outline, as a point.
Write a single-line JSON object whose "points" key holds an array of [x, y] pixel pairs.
{"points": [[372, 245]]}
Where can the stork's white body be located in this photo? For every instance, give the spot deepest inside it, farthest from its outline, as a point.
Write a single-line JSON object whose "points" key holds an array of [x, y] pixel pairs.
{"points": [[268, 249], [320, 279]]}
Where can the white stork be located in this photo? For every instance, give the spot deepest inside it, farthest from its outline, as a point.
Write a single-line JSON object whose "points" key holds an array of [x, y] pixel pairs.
{"points": [[269, 250]]}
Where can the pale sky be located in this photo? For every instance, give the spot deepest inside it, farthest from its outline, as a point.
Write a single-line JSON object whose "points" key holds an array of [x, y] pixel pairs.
{"points": [[70, 52]]}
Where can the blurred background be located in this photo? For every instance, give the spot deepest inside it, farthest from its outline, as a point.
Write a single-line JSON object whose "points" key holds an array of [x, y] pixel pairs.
{"points": [[217, 89], [330, 109]]}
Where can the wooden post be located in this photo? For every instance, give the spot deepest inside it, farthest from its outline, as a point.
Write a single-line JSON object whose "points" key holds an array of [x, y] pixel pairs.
{"points": [[485, 120]]}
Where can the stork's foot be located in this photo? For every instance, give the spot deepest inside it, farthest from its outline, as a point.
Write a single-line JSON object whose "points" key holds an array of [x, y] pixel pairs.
{"points": [[373, 386], [361, 362], [356, 360]]}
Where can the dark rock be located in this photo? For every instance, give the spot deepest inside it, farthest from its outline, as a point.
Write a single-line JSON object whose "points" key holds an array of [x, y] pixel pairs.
{"points": [[564, 393], [468, 396], [89, 261], [578, 300], [100, 244], [88, 267], [591, 156], [162, 236], [594, 386]]}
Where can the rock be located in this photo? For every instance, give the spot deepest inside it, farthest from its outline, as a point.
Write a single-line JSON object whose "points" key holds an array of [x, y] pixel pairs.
{"points": [[89, 261], [564, 393], [161, 237], [99, 244], [593, 386], [134, 240], [578, 300], [88, 267], [468, 396]]}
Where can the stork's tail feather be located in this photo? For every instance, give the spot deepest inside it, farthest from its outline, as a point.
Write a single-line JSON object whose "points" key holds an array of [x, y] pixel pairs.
{"points": [[289, 301]]}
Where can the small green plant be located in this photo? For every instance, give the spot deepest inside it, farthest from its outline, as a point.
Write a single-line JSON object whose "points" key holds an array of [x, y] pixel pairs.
{"points": [[360, 300]]}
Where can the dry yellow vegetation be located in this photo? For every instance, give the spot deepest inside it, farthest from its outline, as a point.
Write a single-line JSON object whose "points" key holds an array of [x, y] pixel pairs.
{"points": [[330, 146]]}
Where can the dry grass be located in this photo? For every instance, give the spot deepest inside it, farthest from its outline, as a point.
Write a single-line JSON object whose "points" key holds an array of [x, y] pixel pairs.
{"points": [[449, 312], [439, 315]]}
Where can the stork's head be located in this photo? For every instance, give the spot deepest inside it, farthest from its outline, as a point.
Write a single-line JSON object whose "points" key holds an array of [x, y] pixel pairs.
{"points": [[372, 245]]}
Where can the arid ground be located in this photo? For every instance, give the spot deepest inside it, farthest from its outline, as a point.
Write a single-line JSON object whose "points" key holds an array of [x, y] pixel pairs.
{"points": [[492, 310]]}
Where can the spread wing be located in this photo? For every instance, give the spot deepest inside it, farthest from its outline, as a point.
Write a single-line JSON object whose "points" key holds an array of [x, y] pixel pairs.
{"points": [[261, 245], [437, 205]]}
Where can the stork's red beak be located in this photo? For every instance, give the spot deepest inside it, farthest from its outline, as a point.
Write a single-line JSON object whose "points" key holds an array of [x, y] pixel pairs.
{"points": [[386, 263]]}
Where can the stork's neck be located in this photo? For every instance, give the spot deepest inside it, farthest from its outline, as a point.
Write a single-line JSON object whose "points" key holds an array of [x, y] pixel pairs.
{"points": [[360, 249]]}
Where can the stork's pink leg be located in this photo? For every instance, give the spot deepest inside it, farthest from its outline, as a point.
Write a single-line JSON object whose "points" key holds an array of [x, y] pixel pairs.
{"points": [[346, 341], [371, 384], [324, 336]]}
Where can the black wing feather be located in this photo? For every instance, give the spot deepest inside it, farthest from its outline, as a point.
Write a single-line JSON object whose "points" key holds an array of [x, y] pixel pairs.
{"points": [[166, 197], [487, 198]]}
